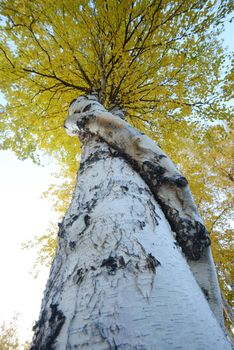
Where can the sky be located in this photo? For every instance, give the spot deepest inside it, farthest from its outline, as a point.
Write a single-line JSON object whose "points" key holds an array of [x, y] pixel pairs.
{"points": [[24, 214]]}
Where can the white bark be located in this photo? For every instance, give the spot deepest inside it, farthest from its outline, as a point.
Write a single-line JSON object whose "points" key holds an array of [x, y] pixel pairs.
{"points": [[169, 187], [205, 274], [119, 279], [164, 179]]}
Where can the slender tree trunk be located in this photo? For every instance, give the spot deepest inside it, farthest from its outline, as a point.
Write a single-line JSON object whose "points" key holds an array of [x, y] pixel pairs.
{"points": [[119, 279]]}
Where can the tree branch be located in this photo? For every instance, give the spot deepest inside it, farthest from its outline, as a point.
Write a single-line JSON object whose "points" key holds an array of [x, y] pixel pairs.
{"points": [[78, 87], [8, 59]]}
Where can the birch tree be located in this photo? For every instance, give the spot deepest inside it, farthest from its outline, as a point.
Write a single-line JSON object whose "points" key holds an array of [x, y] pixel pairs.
{"points": [[117, 263], [146, 58]]}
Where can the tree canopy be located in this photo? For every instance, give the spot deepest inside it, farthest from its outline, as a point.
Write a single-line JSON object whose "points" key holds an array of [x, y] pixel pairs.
{"points": [[161, 61]]}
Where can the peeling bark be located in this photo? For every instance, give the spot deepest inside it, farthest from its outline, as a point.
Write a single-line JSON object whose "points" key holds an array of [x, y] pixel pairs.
{"points": [[119, 280], [170, 188]]}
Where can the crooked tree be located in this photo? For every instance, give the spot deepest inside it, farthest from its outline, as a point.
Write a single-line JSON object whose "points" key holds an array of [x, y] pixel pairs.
{"points": [[117, 263], [146, 58]]}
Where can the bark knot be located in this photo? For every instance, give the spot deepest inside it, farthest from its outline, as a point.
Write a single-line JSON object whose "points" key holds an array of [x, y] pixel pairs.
{"points": [[113, 264], [152, 262]]}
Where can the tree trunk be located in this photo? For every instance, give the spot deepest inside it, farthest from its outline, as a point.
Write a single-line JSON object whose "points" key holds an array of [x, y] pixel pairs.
{"points": [[119, 279]]}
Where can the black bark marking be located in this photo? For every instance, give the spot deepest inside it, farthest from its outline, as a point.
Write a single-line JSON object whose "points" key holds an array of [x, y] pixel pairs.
{"points": [[156, 171], [158, 157], [96, 187], [72, 245], [61, 231], [154, 214], [79, 276], [56, 322], [162, 156], [152, 262], [93, 158], [87, 224], [192, 236], [122, 263], [142, 224], [114, 153], [206, 293], [73, 218], [96, 156], [179, 181], [47, 330], [124, 188], [81, 123], [81, 168], [87, 108], [140, 190], [87, 220], [40, 322], [144, 189], [90, 204], [111, 264], [39, 329]]}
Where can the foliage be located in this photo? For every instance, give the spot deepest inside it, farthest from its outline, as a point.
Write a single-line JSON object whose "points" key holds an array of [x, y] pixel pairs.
{"points": [[9, 339], [8, 335], [45, 246], [161, 61], [148, 56], [208, 164]]}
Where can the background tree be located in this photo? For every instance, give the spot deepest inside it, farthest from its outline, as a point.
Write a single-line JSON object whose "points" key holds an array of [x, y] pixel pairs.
{"points": [[161, 61], [9, 338]]}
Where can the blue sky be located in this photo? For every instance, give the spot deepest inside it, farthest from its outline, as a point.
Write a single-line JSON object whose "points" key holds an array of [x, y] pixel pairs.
{"points": [[25, 214]]}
